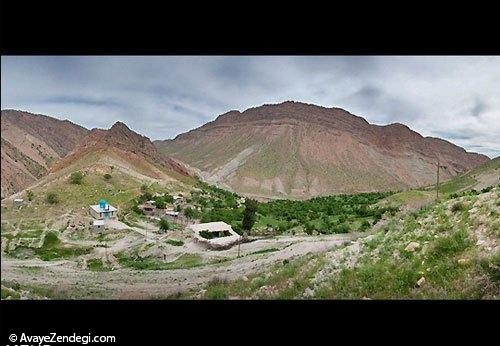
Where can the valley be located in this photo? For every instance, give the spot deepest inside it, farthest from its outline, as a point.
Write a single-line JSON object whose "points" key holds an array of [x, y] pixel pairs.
{"points": [[452, 243], [336, 227]]}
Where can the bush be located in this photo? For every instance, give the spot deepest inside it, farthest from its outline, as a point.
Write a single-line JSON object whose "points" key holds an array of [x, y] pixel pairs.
{"points": [[175, 242], [137, 210], [342, 228], [486, 189], [76, 178], [168, 198], [29, 195], [164, 224], [364, 225], [107, 176], [160, 203], [52, 198], [191, 213], [459, 206]]}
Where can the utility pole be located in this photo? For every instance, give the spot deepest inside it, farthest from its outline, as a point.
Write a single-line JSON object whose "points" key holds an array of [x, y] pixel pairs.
{"points": [[437, 181], [239, 243]]}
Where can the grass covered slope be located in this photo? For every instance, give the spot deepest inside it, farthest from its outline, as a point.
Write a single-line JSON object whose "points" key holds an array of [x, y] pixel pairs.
{"points": [[105, 175], [478, 178], [448, 250]]}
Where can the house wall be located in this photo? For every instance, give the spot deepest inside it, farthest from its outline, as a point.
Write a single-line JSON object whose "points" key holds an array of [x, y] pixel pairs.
{"points": [[95, 214], [100, 216]]}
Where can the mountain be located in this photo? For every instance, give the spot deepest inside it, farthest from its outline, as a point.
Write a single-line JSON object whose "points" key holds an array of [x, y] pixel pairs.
{"points": [[298, 150], [115, 164], [125, 148], [30, 144]]}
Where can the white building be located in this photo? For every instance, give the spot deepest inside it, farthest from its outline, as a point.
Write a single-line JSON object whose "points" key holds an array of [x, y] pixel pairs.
{"points": [[103, 210], [98, 225], [216, 235]]}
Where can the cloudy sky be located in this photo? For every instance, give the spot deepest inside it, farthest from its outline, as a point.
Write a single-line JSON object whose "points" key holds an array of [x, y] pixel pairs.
{"points": [[455, 98]]}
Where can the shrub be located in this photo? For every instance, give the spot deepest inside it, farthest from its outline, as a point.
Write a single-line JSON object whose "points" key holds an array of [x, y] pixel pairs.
{"points": [[164, 224], [52, 198], [50, 240], [342, 228], [451, 245], [160, 203], [137, 210], [459, 206], [191, 213], [76, 178], [365, 225], [107, 176], [29, 195], [175, 242], [486, 189], [168, 198]]}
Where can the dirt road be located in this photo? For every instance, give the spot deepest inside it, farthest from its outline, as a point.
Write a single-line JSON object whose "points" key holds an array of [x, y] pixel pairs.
{"points": [[126, 283]]}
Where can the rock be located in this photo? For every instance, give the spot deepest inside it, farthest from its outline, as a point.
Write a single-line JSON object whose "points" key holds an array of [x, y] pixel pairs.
{"points": [[366, 298], [462, 261], [244, 278], [412, 246], [308, 292], [421, 281]]}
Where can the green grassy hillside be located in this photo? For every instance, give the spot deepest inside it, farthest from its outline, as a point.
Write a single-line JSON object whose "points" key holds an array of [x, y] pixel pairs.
{"points": [[447, 250]]}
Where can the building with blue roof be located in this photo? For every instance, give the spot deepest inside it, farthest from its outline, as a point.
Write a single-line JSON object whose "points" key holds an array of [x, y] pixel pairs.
{"points": [[103, 210]]}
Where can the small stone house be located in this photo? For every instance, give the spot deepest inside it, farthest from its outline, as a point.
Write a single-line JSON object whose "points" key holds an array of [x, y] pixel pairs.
{"points": [[18, 202], [98, 225]]}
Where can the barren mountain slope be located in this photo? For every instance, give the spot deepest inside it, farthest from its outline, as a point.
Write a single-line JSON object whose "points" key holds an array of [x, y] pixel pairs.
{"points": [[31, 143], [298, 150]]}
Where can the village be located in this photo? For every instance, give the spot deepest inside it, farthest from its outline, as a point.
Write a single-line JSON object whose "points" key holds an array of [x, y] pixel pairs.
{"points": [[179, 238], [212, 235]]}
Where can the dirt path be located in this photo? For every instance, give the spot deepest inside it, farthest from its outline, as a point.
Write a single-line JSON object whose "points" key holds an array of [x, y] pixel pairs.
{"points": [[125, 283]]}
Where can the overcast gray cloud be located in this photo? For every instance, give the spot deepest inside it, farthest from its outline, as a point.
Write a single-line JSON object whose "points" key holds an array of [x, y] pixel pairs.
{"points": [[455, 98]]}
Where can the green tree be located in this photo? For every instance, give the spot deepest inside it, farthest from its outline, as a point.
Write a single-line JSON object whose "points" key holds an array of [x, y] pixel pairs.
{"points": [[249, 214], [164, 224], [107, 176], [52, 198], [76, 178], [190, 213], [168, 198], [29, 195], [160, 203]]}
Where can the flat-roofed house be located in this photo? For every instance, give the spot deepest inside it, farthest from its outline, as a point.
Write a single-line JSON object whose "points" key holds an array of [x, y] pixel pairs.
{"points": [[216, 235], [98, 225], [148, 207], [103, 210]]}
